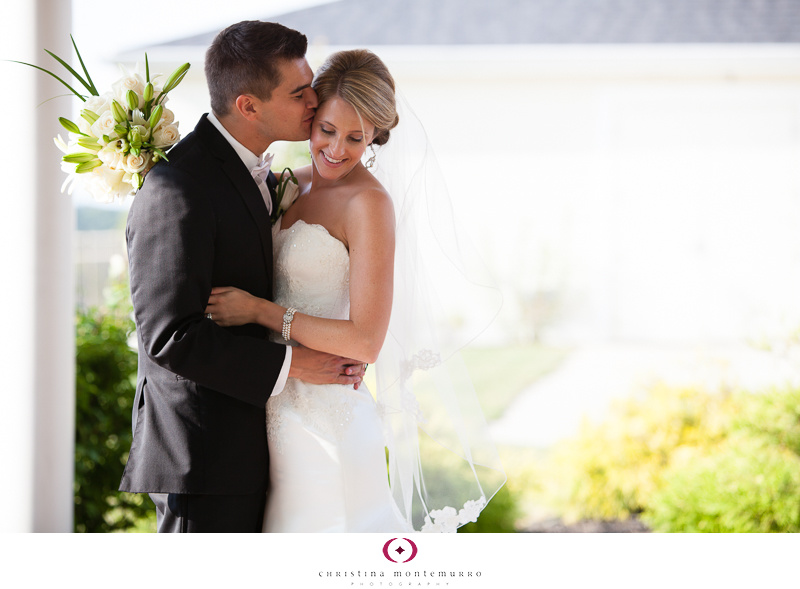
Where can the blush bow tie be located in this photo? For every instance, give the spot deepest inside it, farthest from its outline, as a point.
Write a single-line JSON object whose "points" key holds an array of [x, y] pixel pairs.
{"points": [[262, 168], [259, 174]]}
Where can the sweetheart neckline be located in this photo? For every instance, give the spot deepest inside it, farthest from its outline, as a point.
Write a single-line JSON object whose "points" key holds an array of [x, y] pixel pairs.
{"points": [[319, 226]]}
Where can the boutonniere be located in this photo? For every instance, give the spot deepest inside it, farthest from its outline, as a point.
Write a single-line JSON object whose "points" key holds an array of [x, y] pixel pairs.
{"points": [[286, 192], [121, 133]]}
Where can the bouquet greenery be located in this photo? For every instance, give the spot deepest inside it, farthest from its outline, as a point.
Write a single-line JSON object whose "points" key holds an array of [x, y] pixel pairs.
{"points": [[121, 134]]}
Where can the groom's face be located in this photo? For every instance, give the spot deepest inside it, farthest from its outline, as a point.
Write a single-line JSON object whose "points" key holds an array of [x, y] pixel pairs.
{"points": [[288, 114]]}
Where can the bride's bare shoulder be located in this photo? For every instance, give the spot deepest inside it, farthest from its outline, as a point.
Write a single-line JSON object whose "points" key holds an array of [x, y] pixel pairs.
{"points": [[371, 201]]}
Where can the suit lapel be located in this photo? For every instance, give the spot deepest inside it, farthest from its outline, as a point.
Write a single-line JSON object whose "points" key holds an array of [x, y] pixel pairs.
{"points": [[242, 181]]}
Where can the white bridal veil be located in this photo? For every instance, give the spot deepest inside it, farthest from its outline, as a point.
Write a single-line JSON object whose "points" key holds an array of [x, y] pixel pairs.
{"points": [[443, 467]]}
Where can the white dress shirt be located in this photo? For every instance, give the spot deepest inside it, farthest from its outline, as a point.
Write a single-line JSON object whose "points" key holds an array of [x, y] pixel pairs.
{"points": [[250, 161]]}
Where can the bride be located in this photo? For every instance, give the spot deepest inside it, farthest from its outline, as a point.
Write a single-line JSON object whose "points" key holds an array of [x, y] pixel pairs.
{"points": [[348, 273]]}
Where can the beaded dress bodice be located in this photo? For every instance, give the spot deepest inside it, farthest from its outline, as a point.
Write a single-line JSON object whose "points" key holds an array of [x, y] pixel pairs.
{"points": [[312, 271], [312, 274]]}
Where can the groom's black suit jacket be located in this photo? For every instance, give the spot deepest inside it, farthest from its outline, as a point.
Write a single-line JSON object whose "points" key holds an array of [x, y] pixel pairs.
{"points": [[199, 423]]}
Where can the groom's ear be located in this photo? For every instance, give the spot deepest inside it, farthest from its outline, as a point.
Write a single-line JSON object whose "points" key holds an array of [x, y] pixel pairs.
{"points": [[247, 106]]}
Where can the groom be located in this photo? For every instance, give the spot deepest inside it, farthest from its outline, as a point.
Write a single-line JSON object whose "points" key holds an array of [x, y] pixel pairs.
{"points": [[201, 220]]}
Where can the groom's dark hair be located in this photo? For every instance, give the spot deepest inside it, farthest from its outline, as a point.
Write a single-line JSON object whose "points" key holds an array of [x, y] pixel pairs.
{"points": [[244, 59]]}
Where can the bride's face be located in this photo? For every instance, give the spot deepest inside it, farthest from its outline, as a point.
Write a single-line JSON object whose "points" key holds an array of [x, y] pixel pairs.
{"points": [[338, 139]]}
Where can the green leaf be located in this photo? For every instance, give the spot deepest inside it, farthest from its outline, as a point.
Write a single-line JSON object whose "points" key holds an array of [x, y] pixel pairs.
{"points": [[70, 88], [148, 92], [53, 98], [133, 99], [146, 68], [155, 116], [89, 116], [90, 143], [85, 71], [70, 126], [175, 78], [86, 84], [79, 158], [88, 166], [160, 153], [120, 115]]}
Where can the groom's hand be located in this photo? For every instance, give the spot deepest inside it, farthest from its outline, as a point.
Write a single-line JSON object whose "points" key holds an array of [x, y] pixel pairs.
{"points": [[321, 368]]}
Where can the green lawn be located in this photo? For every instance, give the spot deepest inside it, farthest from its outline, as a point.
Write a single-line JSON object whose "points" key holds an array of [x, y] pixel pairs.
{"points": [[500, 374]]}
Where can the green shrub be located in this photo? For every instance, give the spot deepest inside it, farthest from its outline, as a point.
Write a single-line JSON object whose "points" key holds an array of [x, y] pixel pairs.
{"points": [[746, 485], [498, 516], [105, 387], [687, 461], [610, 470], [773, 415]]}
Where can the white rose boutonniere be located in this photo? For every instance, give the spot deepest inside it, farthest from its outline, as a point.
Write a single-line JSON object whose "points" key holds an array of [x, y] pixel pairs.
{"points": [[286, 193]]}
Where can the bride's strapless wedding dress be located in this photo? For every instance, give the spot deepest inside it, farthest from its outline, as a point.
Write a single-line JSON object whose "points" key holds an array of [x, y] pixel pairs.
{"points": [[327, 454]]}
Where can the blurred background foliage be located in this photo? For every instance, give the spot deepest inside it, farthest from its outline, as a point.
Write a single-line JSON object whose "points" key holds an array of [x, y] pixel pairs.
{"points": [[105, 387], [683, 460], [680, 459]]}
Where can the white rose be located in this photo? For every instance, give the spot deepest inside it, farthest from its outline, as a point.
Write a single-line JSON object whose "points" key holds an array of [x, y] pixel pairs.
{"points": [[167, 118], [104, 125], [166, 136], [290, 194], [98, 104], [111, 156], [134, 164], [105, 184], [133, 82], [84, 125]]}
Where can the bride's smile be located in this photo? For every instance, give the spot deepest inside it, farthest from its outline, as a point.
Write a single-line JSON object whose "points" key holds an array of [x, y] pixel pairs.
{"points": [[339, 138], [330, 160]]}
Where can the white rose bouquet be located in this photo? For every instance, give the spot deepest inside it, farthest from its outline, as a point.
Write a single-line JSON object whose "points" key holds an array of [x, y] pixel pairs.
{"points": [[120, 134]]}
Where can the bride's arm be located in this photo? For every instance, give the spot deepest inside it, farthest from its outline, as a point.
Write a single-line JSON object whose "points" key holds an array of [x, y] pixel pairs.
{"points": [[369, 229]]}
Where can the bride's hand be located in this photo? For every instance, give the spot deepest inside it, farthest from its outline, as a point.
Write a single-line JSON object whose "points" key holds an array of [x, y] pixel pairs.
{"points": [[230, 306]]}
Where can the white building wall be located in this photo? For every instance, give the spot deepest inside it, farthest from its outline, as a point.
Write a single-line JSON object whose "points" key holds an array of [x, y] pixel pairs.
{"points": [[655, 189], [38, 351]]}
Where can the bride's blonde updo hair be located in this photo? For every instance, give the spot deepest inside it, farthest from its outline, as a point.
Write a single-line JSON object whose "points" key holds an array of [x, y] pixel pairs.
{"points": [[363, 81]]}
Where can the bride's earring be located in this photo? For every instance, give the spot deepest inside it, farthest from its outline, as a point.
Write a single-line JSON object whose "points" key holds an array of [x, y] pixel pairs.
{"points": [[371, 160]]}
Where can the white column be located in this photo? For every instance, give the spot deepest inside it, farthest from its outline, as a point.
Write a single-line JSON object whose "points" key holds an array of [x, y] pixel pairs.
{"points": [[37, 349]]}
